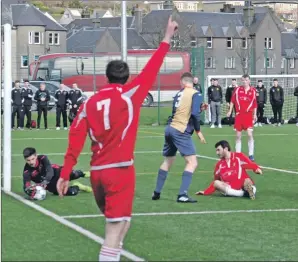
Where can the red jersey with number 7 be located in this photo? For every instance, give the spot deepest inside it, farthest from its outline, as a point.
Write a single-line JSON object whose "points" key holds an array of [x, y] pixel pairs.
{"points": [[110, 117], [244, 101]]}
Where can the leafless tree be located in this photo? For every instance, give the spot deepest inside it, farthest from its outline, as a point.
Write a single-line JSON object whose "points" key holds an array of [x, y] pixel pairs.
{"points": [[245, 53]]}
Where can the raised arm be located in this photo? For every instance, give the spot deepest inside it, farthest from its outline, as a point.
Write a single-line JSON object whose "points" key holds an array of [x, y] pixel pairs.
{"points": [[141, 85]]}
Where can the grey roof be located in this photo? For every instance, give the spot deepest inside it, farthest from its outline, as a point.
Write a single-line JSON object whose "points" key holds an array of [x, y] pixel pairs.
{"points": [[28, 15], [220, 23], [104, 22], [289, 44], [134, 40], [85, 39], [115, 21]]}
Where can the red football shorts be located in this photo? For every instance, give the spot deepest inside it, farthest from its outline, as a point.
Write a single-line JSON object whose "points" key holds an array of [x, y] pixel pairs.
{"points": [[239, 183], [244, 121], [113, 190]]}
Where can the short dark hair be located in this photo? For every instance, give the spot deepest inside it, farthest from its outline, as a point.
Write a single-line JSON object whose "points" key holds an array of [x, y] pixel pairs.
{"points": [[29, 151], [26, 81], [260, 81], [187, 76], [224, 144], [17, 81], [275, 79], [117, 72], [234, 79], [246, 76]]}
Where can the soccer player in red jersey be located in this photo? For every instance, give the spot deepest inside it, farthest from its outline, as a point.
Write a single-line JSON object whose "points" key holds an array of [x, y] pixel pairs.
{"points": [[230, 176], [110, 117], [245, 101]]}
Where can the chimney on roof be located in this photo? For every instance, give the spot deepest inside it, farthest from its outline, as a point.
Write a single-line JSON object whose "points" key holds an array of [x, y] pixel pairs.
{"points": [[96, 22], [168, 5], [137, 12], [248, 15], [227, 8]]}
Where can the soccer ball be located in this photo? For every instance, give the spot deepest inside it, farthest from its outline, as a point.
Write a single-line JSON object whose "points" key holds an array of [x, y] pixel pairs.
{"points": [[40, 193]]}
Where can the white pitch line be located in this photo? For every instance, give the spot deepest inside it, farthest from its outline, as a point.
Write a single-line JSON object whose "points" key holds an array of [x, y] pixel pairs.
{"points": [[156, 152], [157, 136], [69, 224], [264, 167], [192, 213], [89, 153]]}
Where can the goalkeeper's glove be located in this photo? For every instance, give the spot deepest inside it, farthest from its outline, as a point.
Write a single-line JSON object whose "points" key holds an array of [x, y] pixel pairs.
{"points": [[31, 191]]}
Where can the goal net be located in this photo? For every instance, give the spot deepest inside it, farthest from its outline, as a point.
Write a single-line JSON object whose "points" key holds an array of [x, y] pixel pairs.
{"points": [[288, 82]]}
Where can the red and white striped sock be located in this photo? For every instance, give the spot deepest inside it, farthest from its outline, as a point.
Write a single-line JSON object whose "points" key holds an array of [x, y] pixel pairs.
{"points": [[109, 254], [120, 248]]}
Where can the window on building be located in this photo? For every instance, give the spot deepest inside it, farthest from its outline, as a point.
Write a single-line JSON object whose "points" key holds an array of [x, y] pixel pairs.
{"points": [[245, 62], [230, 42], [283, 63], [54, 39], [209, 42], [269, 62], [24, 61], [36, 57], [193, 42], [244, 43], [292, 63], [35, 38], [268, 43], [209, 62], [230, 62]]}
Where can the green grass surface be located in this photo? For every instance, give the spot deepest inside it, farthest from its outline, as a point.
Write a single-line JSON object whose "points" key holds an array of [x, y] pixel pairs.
{"points": [[265, 236]]}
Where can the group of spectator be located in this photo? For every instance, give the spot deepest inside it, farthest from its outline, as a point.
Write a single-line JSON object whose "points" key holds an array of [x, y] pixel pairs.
{"points": [[276, 99], [22, 100]]}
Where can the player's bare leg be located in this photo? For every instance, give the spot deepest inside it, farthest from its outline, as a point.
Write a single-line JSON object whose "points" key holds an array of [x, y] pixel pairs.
{"points": [[238, 141], [251, 144], [227, 190], [110, 250], [191, 165], [249, 188], [122, 236], [162, 176]]}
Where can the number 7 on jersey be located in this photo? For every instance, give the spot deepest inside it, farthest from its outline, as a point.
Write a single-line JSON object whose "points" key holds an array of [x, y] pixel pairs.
{"points": [[105, 105]]}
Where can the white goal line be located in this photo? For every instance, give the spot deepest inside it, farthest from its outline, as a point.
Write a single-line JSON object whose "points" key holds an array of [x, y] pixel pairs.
{"points": [[69, 224], [157, 136], [208, 212]]}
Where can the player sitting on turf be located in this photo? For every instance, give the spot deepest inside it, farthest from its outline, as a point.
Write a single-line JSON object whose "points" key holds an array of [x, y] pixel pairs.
{"points": [[185, 118], [245, 101], [230, 176], [39, 169]]}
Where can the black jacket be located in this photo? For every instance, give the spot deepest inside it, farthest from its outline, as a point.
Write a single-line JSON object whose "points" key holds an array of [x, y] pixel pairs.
{"points": [[42, 94], [16, 96], [276, 95], [261, 95], [229, 93], [27, 94], [61, 97], [214, 94], [75, 96], [296, 92]]}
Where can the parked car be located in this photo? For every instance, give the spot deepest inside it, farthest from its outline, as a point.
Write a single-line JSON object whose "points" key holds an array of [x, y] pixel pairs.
{"points": [[53, 86], [51, 103]]}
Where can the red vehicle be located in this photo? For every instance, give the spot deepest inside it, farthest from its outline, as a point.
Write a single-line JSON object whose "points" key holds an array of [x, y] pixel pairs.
{"points": [[69, 68]]}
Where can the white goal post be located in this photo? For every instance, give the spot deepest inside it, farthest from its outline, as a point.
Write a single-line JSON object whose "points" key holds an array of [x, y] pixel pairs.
{"points": [[288, 82], [7, 109]]}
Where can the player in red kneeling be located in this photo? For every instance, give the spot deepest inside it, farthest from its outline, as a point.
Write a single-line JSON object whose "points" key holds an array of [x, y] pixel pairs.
{"points": [[110, 117], [230, 176], [245, 101]]}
